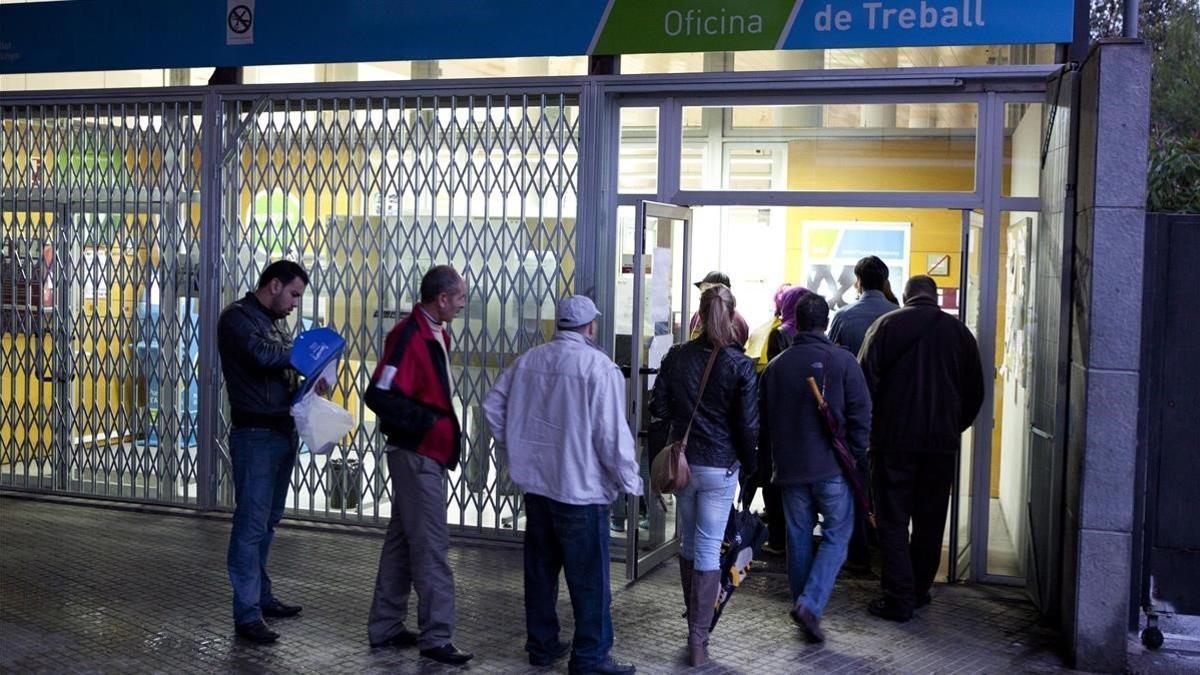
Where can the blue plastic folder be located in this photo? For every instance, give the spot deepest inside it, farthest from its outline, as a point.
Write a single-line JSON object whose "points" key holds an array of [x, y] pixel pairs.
{"points": [[312, 351]]}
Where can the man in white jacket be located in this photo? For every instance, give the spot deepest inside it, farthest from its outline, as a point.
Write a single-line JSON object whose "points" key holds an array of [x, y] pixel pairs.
{"points": [[558, 417]]}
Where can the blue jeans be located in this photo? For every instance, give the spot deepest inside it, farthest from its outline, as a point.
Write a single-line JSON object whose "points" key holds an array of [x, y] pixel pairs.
{"points": [[572, 538], [262, 471], [811, 578], [703, 508]]}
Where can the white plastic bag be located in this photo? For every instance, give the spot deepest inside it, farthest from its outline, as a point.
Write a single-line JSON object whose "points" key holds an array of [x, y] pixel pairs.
{"points": [[321, 423]]}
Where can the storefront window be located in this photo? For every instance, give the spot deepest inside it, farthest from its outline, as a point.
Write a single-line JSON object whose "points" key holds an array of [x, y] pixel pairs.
{"points": [[894, 147], [303, 73], [837, 59]]}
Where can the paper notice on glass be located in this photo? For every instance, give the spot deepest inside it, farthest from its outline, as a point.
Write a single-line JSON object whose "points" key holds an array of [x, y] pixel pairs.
{"points": [[659, 345], [623, 307], [659, 290]]}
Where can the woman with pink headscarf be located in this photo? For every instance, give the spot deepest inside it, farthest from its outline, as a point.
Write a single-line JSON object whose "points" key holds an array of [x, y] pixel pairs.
{"points": [[756, 343], [782, 338]]}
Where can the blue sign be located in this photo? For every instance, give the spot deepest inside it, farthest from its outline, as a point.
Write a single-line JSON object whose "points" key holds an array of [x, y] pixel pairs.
{"points": [[830, 24], [109, 35], [858, 243]]}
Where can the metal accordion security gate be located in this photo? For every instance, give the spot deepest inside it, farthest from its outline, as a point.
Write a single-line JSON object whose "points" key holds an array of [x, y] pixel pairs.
{"points": [[368, 192], [129, 222], [99, 245]]}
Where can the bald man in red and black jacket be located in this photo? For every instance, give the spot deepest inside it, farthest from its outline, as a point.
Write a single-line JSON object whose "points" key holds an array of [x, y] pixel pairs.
{"points": [[412, 392]]}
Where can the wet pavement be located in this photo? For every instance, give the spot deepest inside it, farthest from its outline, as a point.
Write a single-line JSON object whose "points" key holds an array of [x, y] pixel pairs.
{"points": [[88, 589]]}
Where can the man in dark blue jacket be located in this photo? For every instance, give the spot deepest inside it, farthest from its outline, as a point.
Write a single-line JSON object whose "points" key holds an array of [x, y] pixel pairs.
{"points": [[850, 324], [805, 466]]}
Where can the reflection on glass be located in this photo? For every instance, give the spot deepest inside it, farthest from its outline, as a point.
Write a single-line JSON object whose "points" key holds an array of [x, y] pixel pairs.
{"points": [[928, 146], [637, 163], [1022, 149]]}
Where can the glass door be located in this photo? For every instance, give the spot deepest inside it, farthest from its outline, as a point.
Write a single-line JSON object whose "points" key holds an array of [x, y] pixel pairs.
{"points": [[656, 274], [969, 312]]}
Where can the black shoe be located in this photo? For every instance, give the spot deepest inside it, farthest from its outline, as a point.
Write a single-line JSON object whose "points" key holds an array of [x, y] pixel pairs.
{"points": [[544, 660], [448, 654], [256, 632], [609, 667], [405, 638], [886, 608], [858, 569], [277, 610], [772, 550], [924, 601], [809, 623]]}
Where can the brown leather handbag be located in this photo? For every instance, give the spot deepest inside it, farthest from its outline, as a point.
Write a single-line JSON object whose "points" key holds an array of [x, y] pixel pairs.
{"points": [[670, 473]]}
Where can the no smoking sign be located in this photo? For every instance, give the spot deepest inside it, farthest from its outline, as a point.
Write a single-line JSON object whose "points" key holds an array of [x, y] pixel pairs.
{"points": [[239, 22]]}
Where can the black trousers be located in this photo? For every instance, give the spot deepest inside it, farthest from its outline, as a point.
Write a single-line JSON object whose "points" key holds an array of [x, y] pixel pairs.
{"points": [[776, 522], [910, 486], [859, 551]]}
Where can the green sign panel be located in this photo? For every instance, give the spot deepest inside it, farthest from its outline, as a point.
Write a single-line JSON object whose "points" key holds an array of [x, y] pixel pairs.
{"points": [[694, 26]]}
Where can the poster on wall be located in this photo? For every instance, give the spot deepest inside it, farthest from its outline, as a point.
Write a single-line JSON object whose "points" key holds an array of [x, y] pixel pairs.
{"points": [[830, 249]]}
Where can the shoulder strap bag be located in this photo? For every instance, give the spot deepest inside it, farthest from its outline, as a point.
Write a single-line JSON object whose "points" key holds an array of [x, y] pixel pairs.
{"points": [[670, 473]]}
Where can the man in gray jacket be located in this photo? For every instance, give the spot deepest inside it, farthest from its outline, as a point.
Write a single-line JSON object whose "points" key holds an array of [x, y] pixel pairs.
{"points": [[256, 361], [558, 415], [793, 430], [848, 328]]}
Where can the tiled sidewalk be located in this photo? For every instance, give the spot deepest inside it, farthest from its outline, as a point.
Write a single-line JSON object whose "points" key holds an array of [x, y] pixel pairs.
{"points": [[85, 589]]}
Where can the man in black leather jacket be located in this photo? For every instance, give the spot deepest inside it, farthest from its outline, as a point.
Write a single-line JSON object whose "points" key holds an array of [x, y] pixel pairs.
{"points": [[256, 360]]}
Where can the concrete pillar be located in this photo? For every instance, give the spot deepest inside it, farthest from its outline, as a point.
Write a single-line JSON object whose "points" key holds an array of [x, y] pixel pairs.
{"points": [[339, 72], [179, 77], [531, 66], [426, 70], [809, 59], [717, 62], [880, 116], [1110, 218]]}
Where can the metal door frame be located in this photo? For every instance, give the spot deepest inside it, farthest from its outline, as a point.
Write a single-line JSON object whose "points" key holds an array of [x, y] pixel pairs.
{"points": [[987, 197], [636, 565]]}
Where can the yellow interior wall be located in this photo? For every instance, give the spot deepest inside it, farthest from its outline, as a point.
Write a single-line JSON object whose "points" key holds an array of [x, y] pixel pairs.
{"points": [[29, 438], [938, 163], [933, 231]]}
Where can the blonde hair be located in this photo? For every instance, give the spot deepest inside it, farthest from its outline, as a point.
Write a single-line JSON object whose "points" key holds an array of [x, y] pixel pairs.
{"points": [[716, 316]]}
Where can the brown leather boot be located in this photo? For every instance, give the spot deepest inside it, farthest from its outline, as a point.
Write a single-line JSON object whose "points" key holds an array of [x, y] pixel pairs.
{"points": [[705, 586], [685, 579]]}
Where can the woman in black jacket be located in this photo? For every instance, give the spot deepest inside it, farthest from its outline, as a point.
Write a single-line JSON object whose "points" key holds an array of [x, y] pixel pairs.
{"points": [[722, 440]]}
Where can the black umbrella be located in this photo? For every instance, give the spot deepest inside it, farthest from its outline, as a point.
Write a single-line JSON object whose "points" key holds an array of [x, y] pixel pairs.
{"points": [[744, 537], [844, 459]]}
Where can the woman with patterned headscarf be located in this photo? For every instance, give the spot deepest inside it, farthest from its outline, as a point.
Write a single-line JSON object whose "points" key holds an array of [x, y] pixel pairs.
{"points": [[756, 344], [779, 340]]}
